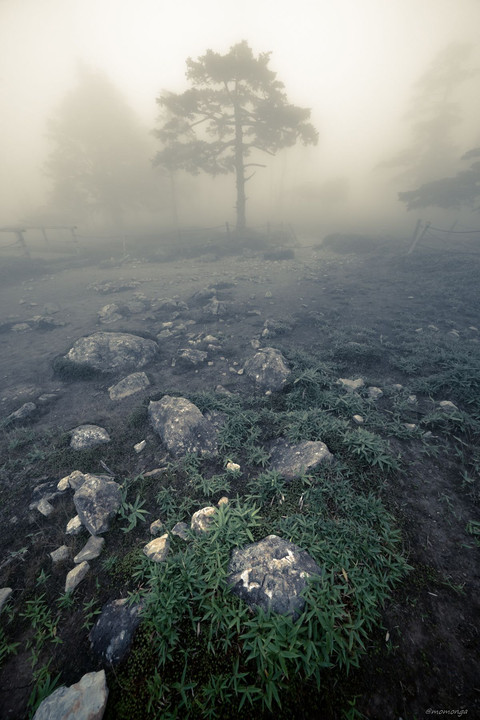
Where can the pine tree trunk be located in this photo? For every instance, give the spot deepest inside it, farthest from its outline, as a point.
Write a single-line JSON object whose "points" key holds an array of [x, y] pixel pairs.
{"points": [[239, 171]]}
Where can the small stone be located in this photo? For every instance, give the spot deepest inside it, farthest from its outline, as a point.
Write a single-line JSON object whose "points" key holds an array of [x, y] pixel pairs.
{"points": [[92, 550], [60, 554], [351, 385], [202, 519], [140, 446], [448, 406], [374, 393], [157, 549], [4, 595], [409, 426], [129, 386], [397, 387], [75, 576], [23, 412], [74, 526], [44, 507], [87, 436], [232, 467], [412, 399], [223, 501], [180, 530], [75, 480], [156, 527], [358, 419]]}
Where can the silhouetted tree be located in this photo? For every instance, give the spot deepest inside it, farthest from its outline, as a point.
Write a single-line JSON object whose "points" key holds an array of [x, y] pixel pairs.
{"points": [[234, 107], [99, 159], [434, 114], [460, 190]]}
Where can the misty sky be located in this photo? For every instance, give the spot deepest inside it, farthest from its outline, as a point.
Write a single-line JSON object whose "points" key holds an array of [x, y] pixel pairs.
{"points": [[352, 61]]}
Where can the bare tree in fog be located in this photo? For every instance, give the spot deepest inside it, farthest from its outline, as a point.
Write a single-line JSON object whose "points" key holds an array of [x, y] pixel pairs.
{"points": [[99, 159], [234, 108], [434, 114]]}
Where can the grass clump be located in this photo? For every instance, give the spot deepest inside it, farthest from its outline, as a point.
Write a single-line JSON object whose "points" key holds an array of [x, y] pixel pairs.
{"points": [[209, 656]]}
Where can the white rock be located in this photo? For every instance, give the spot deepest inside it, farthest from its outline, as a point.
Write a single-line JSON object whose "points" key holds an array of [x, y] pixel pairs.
{"points": [[351, 385], [358, 419], [74, 526], [75, 576], [91, 550], [140, 446], [157, 549]]}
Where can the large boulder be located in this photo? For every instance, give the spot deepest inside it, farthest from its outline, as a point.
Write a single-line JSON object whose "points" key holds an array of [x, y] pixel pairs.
{"points": [[268, 368], [271, 574], [96, 502], [106, 351], [293, 461], [182, 427], [85, 700], [111, 636]]}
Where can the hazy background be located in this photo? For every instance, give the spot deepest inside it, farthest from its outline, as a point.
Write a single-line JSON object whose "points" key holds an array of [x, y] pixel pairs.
{"points": [[353, 62]]}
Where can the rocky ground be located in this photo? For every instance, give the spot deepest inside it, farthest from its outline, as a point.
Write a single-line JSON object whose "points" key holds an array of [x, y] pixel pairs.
{"points": [[394, 339]]}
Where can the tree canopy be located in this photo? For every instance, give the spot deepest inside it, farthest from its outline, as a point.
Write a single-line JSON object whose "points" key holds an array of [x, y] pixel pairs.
{"points": [[99, 158], [234, 110], [434, 114], [460, 190]]}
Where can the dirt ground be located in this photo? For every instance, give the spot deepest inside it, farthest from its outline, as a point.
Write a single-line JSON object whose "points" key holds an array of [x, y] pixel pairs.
{"points": [[425, 657]]}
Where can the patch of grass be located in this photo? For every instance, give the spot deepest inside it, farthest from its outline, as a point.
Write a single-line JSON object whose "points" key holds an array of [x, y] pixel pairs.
{"points": [[210, 655], [68, 370]]}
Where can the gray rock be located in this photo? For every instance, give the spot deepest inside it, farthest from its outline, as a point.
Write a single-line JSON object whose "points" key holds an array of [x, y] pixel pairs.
{"points": [[109, 314], [189, 357], [271, 574], [42, 494], [156, 527], [129, 386], [87, 436], [60, 554], [293, 461], [374, 392], [180, 529], [75, 480], [91, 550], [23, 412], [113, 351], [96, 502], [268, 368], [75, 576], [85, 700], [182, 427], [111, 636]]}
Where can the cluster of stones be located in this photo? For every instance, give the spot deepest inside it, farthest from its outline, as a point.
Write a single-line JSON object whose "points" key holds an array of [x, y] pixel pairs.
{"points": [[269, 574]]}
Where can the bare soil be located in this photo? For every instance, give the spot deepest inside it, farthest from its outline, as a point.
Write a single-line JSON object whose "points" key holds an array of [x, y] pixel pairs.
{"points": [[425, 657]]}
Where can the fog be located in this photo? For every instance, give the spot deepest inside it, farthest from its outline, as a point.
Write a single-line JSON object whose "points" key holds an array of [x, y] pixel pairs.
{"points": [[355, 63]]}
